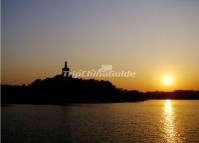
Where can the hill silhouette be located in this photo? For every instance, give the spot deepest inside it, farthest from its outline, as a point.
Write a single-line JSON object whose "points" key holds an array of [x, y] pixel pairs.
{"points": [[66, 89], [62, 90]]}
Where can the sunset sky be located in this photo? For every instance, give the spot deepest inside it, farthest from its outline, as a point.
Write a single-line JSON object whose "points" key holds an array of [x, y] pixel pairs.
{"points": [[153, 38]]}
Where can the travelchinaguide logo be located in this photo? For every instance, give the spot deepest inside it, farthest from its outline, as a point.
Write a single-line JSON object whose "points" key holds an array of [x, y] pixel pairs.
{"points": [[103, 71]]}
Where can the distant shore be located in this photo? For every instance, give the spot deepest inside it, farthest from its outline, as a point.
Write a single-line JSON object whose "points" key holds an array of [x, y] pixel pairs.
{"points": [[66, 90]]}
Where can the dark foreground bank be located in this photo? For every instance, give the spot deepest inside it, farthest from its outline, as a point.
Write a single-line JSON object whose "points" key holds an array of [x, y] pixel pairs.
{"points": [[62, 90]]}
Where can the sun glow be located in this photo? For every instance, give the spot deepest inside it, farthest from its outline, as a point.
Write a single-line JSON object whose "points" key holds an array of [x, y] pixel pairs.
{"points": [[167, 80]]}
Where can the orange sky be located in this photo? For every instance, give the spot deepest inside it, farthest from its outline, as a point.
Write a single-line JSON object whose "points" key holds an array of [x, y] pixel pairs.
{"points": [[151, 38]]}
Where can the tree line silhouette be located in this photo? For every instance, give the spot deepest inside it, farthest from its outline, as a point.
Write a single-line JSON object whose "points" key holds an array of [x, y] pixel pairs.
{"points": [[64, 90]]}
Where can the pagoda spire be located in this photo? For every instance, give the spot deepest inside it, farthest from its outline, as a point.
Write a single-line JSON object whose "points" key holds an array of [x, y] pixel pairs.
{"points": [[66, 64], [65, 70]]}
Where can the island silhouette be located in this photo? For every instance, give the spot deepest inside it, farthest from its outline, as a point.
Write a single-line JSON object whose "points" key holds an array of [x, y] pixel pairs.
{"points": [[64, 89]]}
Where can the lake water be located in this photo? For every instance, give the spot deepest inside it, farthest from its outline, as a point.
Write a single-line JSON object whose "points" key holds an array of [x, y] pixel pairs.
{"points": [[153, 121]]}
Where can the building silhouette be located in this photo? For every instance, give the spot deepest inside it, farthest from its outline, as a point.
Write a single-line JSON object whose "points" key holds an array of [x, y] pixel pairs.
{"points": [[65, 70]]}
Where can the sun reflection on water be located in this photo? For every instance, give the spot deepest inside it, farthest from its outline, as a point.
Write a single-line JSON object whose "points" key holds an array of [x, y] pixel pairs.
{"points": [[168, 107], [169, 125]]}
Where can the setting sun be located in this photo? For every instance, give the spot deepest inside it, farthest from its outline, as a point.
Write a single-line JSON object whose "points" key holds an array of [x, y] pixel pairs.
{"points": [[167, 80]]}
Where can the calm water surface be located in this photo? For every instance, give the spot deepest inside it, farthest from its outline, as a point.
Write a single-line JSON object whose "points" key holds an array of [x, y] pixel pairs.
{"points": [[153, 121]]}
